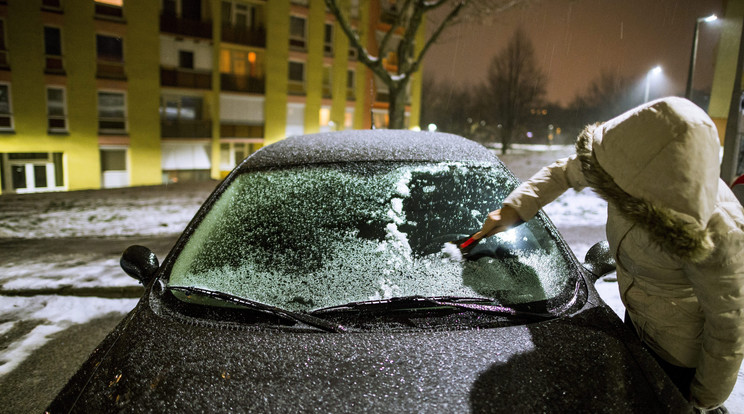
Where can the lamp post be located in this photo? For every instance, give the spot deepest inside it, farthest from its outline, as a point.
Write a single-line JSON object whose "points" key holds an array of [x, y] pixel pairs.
{"points": [[693, 54], [655, 71]]}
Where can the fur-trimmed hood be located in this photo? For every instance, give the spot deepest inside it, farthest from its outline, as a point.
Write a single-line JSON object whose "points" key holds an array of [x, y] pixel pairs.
{"points": [[658, 165]]}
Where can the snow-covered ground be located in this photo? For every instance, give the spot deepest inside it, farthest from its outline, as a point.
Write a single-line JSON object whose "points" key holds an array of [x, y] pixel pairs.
{"points": [[164, 210]]}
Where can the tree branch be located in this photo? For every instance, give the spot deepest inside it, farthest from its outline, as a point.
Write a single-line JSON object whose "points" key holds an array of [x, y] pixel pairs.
{"points": [[435, 36], [374, 64]]}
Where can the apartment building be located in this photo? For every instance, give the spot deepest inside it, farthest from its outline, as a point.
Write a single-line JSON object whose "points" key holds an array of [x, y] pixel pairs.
{"points": [[113, 93]]}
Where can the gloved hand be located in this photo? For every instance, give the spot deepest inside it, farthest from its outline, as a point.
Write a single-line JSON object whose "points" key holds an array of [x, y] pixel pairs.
{"points": [[497, 221]]}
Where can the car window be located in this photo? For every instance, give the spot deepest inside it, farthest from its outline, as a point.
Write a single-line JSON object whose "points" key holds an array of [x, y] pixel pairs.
{"points": [[316, 236]]}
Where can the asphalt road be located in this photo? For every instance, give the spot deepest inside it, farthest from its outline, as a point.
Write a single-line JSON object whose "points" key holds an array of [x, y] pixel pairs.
{"points": [[33, 384]]}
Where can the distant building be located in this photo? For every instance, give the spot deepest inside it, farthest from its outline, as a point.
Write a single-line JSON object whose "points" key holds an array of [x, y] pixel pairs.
{"points": [[114, 93]]}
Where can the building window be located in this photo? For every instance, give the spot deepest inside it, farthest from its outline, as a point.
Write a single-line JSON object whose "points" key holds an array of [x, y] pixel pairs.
{"points": [[186, 108], [350, 84], [6, 109], [3, 49], [327, 82], [185, 59], [297, 34], [181, 116], [239, 14], [170, 8], [295, 119], [349, 118], [328, 39], [296, 77], [56, 110], [32, 172], [233, 153], [112, 113], [324, 119], [53, 49], [110, 55], [114, 167], [109, 8]]}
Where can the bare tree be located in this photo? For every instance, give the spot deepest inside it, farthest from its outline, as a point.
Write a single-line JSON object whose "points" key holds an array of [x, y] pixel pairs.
{"points": [[450, 107], [408, 17], [607, 96], [514, 86]]}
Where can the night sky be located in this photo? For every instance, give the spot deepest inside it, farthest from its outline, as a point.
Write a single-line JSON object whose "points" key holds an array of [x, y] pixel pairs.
{"points": [[575, 40]]}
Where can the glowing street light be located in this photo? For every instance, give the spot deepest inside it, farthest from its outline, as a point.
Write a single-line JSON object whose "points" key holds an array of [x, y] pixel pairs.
{"points": [[693, 54], [655, 71]]}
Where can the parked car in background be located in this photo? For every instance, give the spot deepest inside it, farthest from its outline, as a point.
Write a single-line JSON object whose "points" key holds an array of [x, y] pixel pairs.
{"points": [[318, 277]]}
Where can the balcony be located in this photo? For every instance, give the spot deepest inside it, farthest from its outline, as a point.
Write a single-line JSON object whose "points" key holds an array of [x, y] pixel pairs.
{"points": [[185, 27], [107, 11], [241, 131], [54, 65], [185, 128], [242, 83], [185, 78], [244, 36], [106, 69], [112, 125]]}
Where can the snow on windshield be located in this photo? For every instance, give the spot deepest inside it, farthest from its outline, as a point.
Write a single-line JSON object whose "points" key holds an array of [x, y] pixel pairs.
{"points": [[311, 237]]}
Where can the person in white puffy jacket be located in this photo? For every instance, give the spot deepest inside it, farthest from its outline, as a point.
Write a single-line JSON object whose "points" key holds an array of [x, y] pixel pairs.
{"points": [[675, 230]]}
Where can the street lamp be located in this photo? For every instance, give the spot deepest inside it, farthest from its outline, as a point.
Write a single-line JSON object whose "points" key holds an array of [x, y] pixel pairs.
{"points": [[655, 71], [693, 54]]}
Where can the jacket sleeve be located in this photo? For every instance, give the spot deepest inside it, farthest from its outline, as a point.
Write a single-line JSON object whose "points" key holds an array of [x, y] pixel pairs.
{"points": [[545, 186], [719, 286]]}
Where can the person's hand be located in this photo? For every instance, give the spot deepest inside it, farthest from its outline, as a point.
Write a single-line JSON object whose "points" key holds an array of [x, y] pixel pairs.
{"points": [[497, 221]]}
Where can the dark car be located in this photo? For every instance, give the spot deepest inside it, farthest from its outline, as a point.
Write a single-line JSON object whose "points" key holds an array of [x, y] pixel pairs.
{"points": [[320, 277]]}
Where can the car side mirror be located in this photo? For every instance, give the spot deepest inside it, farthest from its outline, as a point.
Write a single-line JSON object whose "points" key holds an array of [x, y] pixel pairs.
{"points": [[140, 263], [599, 261]]}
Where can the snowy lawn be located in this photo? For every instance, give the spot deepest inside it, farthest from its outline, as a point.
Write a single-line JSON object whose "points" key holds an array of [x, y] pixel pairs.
{"points": [[166, 210]]}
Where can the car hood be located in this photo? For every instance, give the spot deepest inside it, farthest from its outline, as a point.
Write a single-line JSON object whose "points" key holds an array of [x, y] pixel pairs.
{"points": [[583, 363]]}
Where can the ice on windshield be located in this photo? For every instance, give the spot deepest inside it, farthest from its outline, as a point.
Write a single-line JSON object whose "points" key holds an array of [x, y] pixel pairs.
{"points": [[307, 238]]}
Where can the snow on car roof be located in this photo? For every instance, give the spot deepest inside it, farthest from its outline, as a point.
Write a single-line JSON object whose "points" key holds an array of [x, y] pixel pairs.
{"points": [[367, 145]]}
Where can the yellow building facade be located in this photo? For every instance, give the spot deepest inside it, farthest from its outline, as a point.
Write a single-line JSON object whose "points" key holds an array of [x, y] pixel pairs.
{"points": [[111, 93]]}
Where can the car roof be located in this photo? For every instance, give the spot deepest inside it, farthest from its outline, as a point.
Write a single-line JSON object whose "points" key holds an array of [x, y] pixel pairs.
{"points": [[367, 145]]}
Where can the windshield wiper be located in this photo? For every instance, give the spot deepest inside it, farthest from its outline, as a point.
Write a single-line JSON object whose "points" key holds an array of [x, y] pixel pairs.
{"points": [[481, 305], [301, 317]]}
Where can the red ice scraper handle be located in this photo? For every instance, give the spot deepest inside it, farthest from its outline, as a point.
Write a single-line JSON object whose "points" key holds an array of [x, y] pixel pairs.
{"points": [[467, 243]]}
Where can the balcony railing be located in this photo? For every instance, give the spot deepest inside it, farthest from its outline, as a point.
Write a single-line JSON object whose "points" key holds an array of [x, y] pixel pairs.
{"points": [[185, 128], [112, 125], [244, 36], [176, 25], [185, 78], [241, 131], [110, 70], [54, 65], [107, 11], [242, 83], [57, 124]]}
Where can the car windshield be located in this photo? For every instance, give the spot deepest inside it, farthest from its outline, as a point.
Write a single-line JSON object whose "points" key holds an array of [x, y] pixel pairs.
{"points": [[310, 237]]}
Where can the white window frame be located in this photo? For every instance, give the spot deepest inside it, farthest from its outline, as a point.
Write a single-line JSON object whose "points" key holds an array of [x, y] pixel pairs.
{"points": [[63, 117], [297, 41], [58, 57], [297, 86], [9, 114], [328, 43], [111, 131]]}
